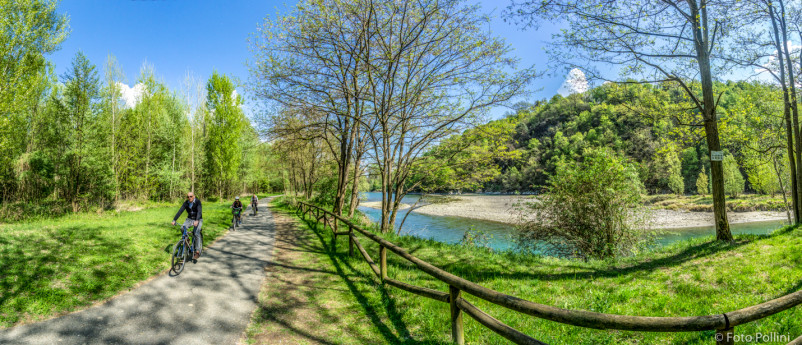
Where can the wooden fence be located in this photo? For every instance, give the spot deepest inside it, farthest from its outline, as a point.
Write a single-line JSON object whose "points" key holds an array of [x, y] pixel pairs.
{"points": [[723, 324]]}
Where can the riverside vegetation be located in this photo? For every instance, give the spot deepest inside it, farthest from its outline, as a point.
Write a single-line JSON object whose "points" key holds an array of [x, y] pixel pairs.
{"points": [[694, 277]]}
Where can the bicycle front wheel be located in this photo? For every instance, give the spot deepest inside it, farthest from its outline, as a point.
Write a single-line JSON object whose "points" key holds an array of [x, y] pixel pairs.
{"points": [[179, 257]]}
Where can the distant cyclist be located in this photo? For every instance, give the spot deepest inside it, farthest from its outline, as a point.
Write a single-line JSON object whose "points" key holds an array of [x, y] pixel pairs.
{"points": [[237, 209], [255, 203], [194, 218]]}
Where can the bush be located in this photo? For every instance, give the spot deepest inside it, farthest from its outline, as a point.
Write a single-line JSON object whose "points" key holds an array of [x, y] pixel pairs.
{"points": [[733, 179], [592, 209], [701, 183]]}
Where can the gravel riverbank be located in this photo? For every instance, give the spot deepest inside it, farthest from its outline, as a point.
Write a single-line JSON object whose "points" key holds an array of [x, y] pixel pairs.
{"points": [[502, 208]]}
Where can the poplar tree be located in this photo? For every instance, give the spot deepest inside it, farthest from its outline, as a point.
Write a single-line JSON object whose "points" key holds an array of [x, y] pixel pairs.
{"points": [[224, 130]]}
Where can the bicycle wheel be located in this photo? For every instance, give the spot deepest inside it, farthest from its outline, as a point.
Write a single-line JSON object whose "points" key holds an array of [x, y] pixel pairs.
{"points": [[179, 257]]}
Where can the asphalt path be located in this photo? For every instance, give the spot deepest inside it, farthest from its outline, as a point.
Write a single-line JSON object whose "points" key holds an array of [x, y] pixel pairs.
{"points": [[210, 302]]}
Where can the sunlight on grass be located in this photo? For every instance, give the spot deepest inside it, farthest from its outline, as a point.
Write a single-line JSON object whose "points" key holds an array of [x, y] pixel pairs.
{"points": [[695, 277], [58, 265]]}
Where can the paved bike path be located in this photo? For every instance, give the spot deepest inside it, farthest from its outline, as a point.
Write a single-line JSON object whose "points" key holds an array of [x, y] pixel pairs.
{"points": [[210, 302]]}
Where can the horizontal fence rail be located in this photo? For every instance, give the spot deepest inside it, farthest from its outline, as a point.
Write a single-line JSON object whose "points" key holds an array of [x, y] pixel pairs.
{"points": [[723, 324]]}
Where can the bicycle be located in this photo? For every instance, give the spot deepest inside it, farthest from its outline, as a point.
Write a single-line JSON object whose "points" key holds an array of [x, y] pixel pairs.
{"points": [[254, 208], [183, 251], [236, 219]]}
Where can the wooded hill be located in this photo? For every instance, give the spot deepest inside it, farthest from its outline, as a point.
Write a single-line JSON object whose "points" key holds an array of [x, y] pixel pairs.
{"points": [[650, 125]]}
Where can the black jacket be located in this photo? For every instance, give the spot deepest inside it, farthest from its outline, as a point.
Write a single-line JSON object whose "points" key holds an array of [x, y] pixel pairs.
{"points": [[194, 212], [237, 204]]}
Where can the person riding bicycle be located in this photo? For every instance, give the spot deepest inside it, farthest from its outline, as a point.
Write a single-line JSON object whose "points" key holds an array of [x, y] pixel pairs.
{"points": [[237, 209], [255, 203], [194, 218]]}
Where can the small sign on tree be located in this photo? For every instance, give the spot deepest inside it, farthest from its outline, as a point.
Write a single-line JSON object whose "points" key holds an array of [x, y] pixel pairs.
{"points": [[716, 156]]}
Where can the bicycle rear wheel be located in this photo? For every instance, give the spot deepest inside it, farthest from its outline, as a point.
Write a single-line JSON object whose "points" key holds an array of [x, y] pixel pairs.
{"points": [[179, 257]]}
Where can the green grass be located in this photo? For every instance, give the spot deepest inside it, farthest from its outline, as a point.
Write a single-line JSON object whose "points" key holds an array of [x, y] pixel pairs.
{"points": [[696, 203], [696, 277], [52, 266]]}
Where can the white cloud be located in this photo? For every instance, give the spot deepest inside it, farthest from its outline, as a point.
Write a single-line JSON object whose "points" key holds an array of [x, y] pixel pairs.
{"points": [[575, 82], [131, 95]]}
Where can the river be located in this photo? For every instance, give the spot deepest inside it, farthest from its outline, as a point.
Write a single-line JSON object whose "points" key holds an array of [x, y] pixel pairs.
{"points": [[451, 229]]}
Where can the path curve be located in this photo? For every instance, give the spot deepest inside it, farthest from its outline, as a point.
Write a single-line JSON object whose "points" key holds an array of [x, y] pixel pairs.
{"points": [[208, 303]]}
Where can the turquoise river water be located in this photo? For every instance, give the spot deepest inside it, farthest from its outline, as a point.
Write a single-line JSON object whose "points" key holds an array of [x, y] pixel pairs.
{"points": [[451, 229]]}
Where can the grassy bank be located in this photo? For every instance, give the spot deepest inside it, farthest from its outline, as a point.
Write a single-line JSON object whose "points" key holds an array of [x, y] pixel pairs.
{"points": [[696, 203], [696, 277], [52, 266]]}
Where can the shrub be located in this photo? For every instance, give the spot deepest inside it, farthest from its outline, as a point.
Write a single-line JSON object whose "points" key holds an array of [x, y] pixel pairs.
{"points": [[592, 209], [701, 183], [476, 238], [733, 179]]}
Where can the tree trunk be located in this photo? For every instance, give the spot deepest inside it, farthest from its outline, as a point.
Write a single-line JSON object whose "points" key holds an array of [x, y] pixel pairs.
{"points": [[782, 189], [355, 188], [792, 133], [792, 102], [701, 40]]}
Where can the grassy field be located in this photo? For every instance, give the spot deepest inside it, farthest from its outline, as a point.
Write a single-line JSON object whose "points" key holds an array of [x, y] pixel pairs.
{"points": [[696, 277], [696, 203], [52, 266]]}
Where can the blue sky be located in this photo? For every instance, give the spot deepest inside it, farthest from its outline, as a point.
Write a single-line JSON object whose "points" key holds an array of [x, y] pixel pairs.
{"points": [[177, 36]]}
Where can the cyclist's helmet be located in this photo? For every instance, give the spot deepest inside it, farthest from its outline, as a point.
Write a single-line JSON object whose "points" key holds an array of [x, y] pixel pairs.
{"points": [[236, 198]]}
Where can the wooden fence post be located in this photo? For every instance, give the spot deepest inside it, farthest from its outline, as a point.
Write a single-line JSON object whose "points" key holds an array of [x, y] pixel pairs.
{"points": [[350, 240], [725, 336], [457, 334], [334, 239], [383, 262]]}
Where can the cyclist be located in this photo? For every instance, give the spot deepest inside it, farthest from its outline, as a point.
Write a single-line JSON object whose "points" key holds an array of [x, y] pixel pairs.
{"points": [[194, 218], [255, 203], [237, 209]]}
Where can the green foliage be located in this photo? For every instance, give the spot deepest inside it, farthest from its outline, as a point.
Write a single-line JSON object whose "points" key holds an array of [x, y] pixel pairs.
{"points": [[702, 183], [73, 141], [669, 169], [476, 238], [592, 209], [645, 123], [733, 179], [224, 125], [29, 29]]}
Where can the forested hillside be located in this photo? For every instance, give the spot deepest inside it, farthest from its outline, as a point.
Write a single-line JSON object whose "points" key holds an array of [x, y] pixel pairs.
{"points": [[650, 125]]}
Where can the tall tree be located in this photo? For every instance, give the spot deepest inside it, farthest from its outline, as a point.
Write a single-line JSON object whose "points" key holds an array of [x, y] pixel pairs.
{"points": [[112, 94], [433, 68], [29, 29], [81, 95], [224, 127], [763, 46], [657, 40], [314, 59]]}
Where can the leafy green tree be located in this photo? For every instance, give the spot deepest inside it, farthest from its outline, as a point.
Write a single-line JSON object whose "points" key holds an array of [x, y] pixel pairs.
{"points": [[29, 29], [733, 179], [690, 167], [88, 170], [224, 133], [591, 209], [702, 183], [675, 182]]}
